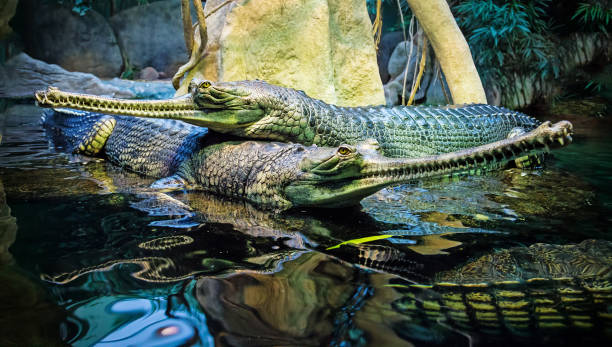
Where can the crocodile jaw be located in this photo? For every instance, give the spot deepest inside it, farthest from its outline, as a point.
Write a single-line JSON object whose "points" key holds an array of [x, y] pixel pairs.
{"points": [[378, 172], [182, 108]]}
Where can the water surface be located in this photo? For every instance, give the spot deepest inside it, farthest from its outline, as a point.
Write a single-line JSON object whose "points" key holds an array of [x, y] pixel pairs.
{"points": [[90, 257]]}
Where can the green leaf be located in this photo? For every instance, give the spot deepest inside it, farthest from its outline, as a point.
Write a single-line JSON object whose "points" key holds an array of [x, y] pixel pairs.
{"points": [[361, 240]]}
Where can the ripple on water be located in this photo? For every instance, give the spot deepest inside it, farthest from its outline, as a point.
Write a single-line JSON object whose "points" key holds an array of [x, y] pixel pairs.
{"points": [[129, 268]]}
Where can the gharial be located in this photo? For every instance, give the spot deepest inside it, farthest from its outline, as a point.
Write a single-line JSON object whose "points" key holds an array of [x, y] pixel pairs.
{"points": [[258, 110], [276, 175]]}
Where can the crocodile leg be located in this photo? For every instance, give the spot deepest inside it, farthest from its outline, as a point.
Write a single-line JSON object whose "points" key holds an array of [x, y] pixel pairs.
{"points": [[93, 142], [79, 132]]}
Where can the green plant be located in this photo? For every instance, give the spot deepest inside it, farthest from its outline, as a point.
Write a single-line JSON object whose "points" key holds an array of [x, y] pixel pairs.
{"points": [[508, 37], [595, 15], [81, 7], [128, 73], [391, 14], [371, 5], [600, 83], [107, 7]]}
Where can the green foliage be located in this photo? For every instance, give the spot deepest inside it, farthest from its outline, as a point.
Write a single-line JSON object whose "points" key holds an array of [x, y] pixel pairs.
{"points": [[361, 240], [81, 7], [371, 5], [600, 83], [106, 7], [595, 15], [129, 73], [508, 37], [391, 18]]}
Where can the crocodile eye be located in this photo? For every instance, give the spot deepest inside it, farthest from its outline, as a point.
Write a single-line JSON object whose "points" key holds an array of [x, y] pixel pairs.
{"points": [[204, 84], [343, 150]]}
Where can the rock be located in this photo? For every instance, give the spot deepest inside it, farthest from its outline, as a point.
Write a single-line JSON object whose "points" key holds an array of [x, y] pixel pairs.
{"points": [[22, 76], [144, 90], [493, 94], [397, 60], [323, 47], [152, 35], [77, 43], [435, 95], [7, 11], [393, 89], [149, 74], [583, 106], [396, 66], [387, 44]]}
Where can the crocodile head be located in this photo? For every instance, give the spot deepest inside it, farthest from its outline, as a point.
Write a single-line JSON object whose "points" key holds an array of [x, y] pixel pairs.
{"points": [[226, 106], [342, 176], [220, 106]]}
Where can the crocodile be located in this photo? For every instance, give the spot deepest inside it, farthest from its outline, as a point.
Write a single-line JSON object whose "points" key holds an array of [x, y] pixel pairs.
{"points": [[258, 110], [271, 174]]}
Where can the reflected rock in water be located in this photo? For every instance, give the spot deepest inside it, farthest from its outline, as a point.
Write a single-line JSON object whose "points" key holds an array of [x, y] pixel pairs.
{"points": [[8, 229], [434, 245], [549, 193], [588, 259], [306, 303], [27, 317]]}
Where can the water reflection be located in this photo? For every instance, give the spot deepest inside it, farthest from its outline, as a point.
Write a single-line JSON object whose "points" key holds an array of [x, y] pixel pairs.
{"points": [[539, 294], [28, 316], [300, 305], [124, 265], [136, 321], [174, 258], [8, 229]]}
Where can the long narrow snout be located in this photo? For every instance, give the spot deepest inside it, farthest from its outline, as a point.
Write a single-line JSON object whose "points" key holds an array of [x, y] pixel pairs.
{"points": [[176, 108], [542, 139], [378, 171], [225, 119]]}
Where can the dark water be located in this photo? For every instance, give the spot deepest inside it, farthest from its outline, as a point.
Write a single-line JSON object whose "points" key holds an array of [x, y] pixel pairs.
{"points": [[90, 257]]}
